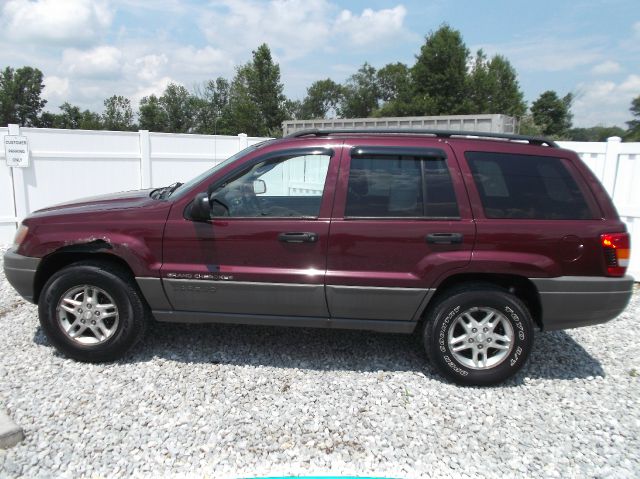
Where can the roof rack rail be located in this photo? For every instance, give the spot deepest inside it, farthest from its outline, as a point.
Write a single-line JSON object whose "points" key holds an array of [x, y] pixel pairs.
{"points": [[533, 140]]}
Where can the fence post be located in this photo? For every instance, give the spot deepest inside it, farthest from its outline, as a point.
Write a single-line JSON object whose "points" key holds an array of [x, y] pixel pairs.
{"points": [[20, 194], [145, 159], [611, 164], [243, 142]]}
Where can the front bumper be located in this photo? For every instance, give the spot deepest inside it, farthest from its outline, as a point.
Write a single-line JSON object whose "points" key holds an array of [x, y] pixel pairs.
{"points": [[20, 272], [574, 301]]}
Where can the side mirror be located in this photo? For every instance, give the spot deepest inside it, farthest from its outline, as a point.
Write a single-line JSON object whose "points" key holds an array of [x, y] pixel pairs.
{"points": [[200, 208], [259, 187]]}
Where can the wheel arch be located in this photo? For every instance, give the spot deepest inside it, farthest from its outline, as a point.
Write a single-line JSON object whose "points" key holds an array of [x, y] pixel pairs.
{"points": [[65, 256], [519, 286]]}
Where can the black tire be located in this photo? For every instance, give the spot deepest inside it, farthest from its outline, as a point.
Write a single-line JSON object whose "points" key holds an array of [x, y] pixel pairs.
{"points": [[445, 315], [116, 282]]}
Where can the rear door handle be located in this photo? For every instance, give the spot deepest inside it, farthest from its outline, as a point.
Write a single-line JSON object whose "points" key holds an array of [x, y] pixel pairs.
{"points": [[298, 237], [444, 238]]}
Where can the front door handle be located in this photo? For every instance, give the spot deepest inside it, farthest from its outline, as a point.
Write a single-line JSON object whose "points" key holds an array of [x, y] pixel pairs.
{"points": [[444, 238], [298, 237]]}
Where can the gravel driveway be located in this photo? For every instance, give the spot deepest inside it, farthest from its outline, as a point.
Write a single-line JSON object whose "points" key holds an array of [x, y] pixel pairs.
{"points": [[231, 401]]}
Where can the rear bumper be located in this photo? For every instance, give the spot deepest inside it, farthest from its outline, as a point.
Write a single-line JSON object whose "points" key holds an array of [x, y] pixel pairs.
{"points": [[574, 301], [20, 272]]}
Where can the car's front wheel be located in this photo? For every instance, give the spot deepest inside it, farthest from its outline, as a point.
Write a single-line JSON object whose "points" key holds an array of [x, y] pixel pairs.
{"points": [[92, 311], [478, 335]]}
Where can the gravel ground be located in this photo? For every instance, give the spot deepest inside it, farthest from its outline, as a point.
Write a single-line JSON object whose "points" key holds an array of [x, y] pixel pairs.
{"points": [[232, 401]]}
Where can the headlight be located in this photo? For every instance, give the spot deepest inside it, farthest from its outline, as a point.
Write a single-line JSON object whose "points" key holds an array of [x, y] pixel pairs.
{"points": [[20, 235]]}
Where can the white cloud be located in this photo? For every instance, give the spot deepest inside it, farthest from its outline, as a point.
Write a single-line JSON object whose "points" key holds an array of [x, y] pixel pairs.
{"points": [[149, 67], [548, 54], [371, 27], [294, 27], [605, 68], [208, 60], [63, 22], [156, 88], [100, 62], [605, 102], [631, 84], [56, 89]]}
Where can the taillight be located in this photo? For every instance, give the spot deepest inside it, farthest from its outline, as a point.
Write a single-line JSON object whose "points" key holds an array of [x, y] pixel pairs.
{"points": [[616, 252]]}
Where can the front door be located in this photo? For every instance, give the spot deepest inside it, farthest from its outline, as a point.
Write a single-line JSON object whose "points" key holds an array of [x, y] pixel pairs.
{"points": [[401, 219], [264, 250]]}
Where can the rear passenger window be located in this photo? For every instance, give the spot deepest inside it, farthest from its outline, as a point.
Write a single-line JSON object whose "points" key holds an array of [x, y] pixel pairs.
{"points": [[400, 186], [526, 187]]}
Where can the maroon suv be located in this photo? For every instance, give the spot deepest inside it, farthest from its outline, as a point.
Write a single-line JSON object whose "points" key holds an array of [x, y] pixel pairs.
{"points": [[471, 241]]}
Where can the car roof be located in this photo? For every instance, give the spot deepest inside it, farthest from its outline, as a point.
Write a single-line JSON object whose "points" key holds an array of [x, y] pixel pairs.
{"points": [[421, 133]]}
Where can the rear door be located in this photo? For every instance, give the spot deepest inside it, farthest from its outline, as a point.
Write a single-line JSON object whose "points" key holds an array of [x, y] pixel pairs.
{"points": [[401, 218]]}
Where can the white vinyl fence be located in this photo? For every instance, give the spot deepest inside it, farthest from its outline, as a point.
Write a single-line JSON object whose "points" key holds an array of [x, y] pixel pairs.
{"points": [[71, 164]]}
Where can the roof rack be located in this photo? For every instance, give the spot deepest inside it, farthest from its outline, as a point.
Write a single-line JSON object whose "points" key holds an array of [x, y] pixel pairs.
{"points": [[533, 140]]}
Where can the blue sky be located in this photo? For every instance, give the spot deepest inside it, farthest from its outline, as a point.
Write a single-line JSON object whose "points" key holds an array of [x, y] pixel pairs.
{"points": [[90, 49]]}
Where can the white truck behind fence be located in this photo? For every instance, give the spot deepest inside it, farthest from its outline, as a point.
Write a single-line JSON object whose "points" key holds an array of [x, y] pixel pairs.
{"points": [[70, 164]]}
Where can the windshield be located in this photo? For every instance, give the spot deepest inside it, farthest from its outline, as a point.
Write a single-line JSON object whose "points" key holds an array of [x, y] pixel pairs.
{"points": [[182, 189]]}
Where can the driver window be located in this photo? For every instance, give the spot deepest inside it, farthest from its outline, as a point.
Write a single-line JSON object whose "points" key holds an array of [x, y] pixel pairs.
{"points": [[276, 188]]}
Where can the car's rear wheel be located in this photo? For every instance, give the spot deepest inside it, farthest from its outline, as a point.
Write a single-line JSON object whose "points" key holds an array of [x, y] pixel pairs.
{"points": [[478, 335], [92, 312]]}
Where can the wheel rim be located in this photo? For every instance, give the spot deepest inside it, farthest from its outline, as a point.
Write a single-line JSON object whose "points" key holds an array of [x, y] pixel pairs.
{"points": [[87, 314], [481, 338]]}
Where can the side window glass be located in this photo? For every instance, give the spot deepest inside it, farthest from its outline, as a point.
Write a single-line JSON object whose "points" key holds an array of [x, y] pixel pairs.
{"points": [[441, 199], [526, 187], [384, 186], [389, 186], [276, 188]]}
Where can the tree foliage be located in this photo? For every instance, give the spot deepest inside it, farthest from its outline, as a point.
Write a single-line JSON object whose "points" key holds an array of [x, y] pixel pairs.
{"points": [[212, 108], [493, 87], [440, 73], [118, 114], [443, 80], [552, 113], [179, 108], [633, 133], [152, 115], [361, 94], [259, 94], [322, 100], [595, 133], [21, 96], [396, 90]]}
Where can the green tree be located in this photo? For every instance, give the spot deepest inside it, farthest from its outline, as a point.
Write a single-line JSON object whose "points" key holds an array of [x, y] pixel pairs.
{"points": [[321, 100], [243, 112], [595, 133], [70, 118], [493, 87], [20, 96], [179, 107], [361, 94], [526, 126], [91, 120], [633, 132], [396, 90], [552, 113], [151, 114], [212, 105], [440, 73], [118, 115], [265, 89], [292, 109]]}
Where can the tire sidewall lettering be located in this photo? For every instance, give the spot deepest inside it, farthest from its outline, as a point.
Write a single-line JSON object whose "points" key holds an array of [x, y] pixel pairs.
{"points": [[515, 356]]}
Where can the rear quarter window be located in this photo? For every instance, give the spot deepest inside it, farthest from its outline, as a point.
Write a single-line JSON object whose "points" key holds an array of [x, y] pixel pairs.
{"points": [[527, 187]]}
